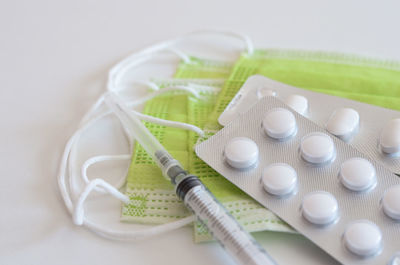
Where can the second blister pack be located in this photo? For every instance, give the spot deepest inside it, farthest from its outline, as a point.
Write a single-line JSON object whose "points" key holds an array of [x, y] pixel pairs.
{"points": [[373, 130]]}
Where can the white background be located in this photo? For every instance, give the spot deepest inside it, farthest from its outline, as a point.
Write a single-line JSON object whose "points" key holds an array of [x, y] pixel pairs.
{"points": [[54, 57]]}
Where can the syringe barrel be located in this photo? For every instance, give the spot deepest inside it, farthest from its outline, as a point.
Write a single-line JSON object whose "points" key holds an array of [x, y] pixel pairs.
{"points": [[224, 228]]}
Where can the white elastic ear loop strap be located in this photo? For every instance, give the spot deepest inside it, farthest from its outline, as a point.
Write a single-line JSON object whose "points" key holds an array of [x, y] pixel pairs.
{"points": [[190, 88], [249, 47], [99, 101], [96, 159], [120, 69], [148, 118], [140, 58], [78, 212], [101, 185]]}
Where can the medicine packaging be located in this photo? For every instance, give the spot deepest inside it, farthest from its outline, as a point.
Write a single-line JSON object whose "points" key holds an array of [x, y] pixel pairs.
{"points": [[373, 130], [340, 198]]}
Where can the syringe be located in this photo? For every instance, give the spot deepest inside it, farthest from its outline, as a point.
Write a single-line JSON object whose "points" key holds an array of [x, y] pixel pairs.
{"points": [[237, 242]]}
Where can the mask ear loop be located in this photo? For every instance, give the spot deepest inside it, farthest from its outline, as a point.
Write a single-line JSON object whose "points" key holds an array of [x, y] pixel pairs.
{"points": [[249, 47], [99, 101], [146, 54], [102, 158], [78, 213], [100, 184], [118, 71], [141, 116], [115, 74], [97, 159]]}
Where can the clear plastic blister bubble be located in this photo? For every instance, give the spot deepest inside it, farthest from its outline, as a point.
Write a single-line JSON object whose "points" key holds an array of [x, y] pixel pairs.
{"points": [[317, 148], [320, 208], [279, 124], [241, 153], [357, 174], [279, 179], [391, 202], [341, 199], [389, 140], [363, 238], [343, 123]]}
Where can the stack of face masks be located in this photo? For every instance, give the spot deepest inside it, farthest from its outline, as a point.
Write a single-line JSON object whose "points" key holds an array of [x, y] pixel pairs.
{"points": [[369, 81]]}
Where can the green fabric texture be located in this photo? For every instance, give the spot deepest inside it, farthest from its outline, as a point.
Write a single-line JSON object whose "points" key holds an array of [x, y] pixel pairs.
{"points": [[203, 69], [152, 197], [367, 80]]}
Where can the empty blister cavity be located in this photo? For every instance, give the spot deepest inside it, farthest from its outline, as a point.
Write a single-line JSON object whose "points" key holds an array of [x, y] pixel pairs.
{"points": [[279, 179], [242, 101], [357, 174], [317, 148], [320, 208], [363, 238], [391, 202], [241, 152], [265, 92], [390, 137], [279, 124], [298, 103], [343, 123]]}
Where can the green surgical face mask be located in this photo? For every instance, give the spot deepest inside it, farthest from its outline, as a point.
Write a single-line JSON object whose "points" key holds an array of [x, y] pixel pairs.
{"points": [[370, 81]]}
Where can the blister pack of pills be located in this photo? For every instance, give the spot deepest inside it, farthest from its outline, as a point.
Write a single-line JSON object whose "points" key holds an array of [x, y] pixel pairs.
{"points": [[341, 199], [373, 130]]}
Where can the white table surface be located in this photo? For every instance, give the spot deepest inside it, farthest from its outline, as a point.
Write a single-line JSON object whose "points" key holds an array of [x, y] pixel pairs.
{"points": [[54, 57]]}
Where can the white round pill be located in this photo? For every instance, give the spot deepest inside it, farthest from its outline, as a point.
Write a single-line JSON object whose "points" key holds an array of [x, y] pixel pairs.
{"points": [[241, 152], [391, 202], [343, 123], [279, 123], [390, 137], [320, 207], [298, 103], [363, 238], [317, 148], [265, 92], [395, 260], [279, 179], [357, 174]]}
